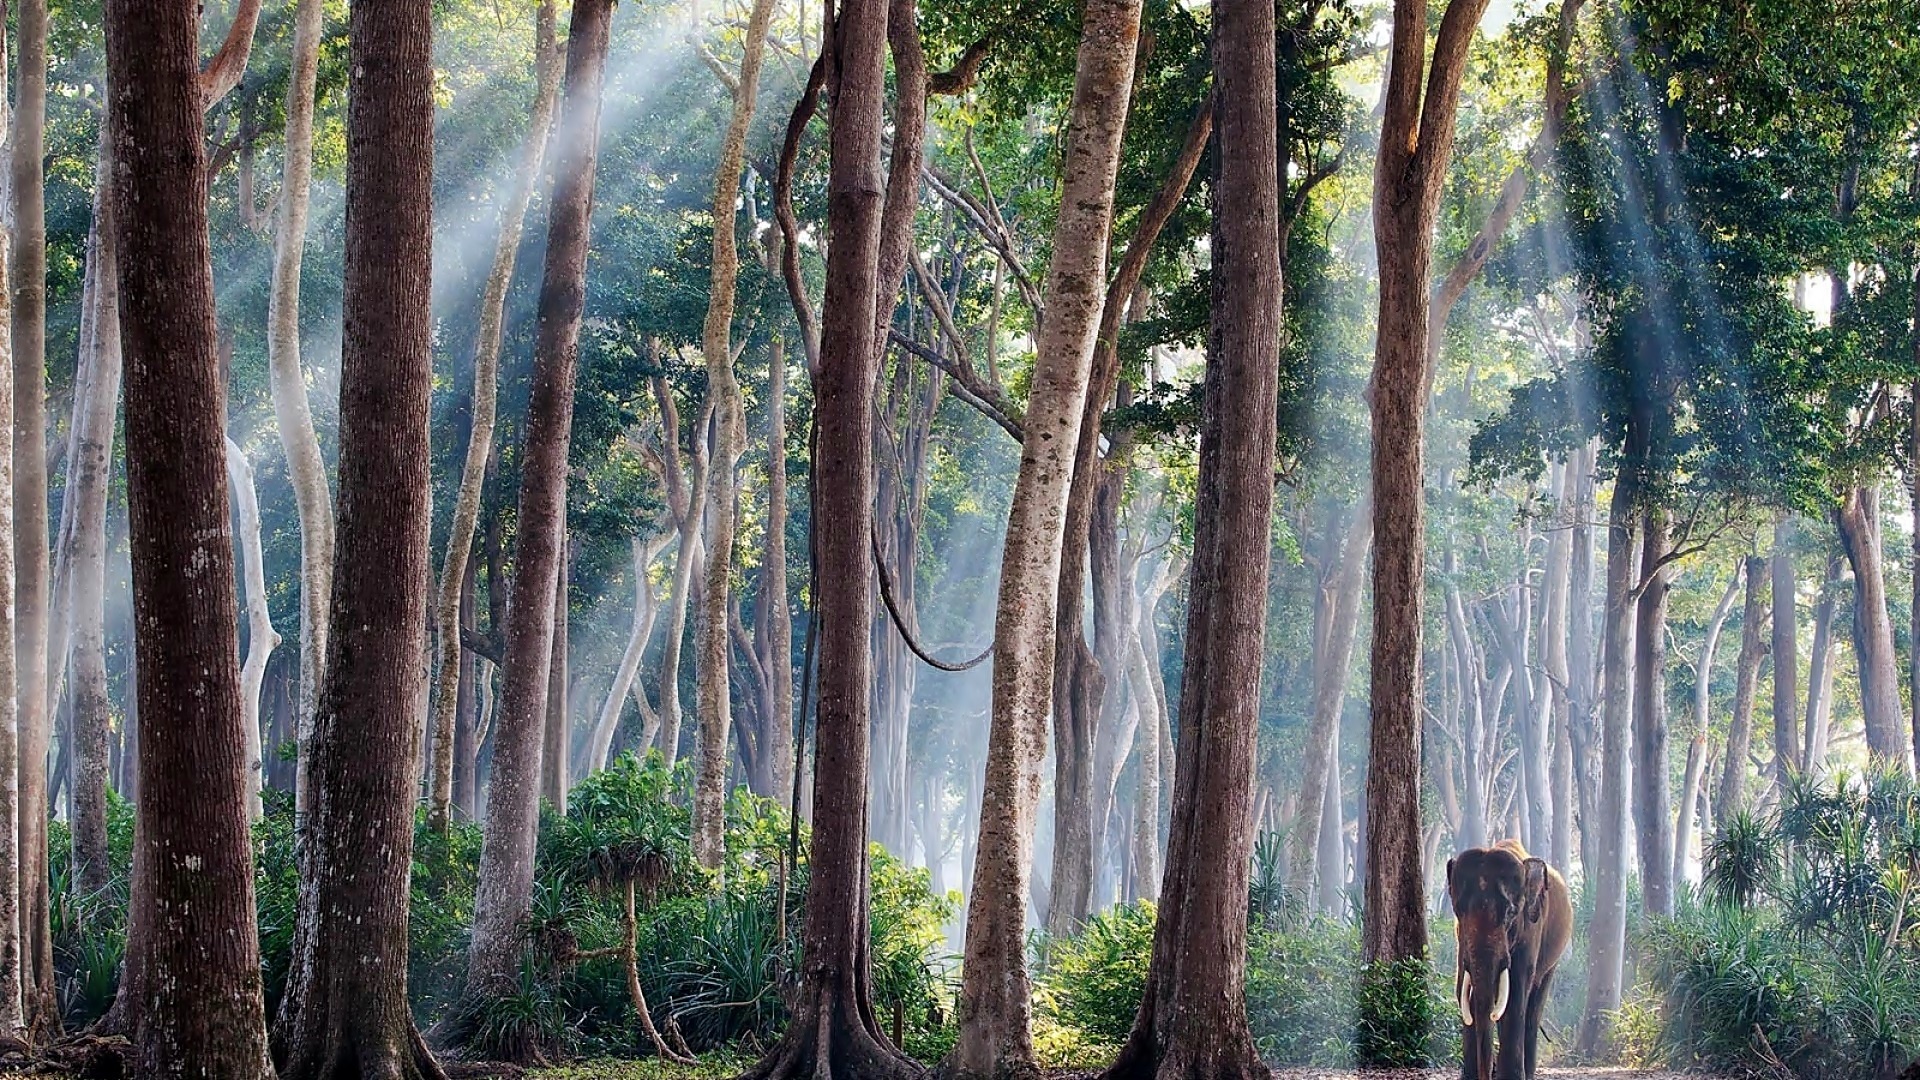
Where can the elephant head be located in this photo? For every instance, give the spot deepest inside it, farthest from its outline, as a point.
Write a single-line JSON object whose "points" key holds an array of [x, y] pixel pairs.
{"points": [[1499, 898]]}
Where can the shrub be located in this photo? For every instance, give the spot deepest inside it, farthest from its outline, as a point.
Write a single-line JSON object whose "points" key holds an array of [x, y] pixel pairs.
{"points": [[1093, 980], [1394, 1015]]}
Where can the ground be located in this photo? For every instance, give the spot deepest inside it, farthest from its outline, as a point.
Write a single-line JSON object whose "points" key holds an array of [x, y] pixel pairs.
{"points": [[1453, 1074]]}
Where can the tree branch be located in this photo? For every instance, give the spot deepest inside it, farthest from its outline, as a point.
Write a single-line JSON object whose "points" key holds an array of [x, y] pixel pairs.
{"points": [[229, 63]]}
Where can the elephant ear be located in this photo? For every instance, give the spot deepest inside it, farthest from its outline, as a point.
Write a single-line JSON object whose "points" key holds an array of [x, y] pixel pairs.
{"points": [[1534, 893], [1450, 879]]}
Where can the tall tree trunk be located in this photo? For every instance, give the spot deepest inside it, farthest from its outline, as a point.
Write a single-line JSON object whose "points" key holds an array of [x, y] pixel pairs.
{"points": [[773, 582], [1330, 692], [1786, 657], [191, 988], [12, 1013], [346, 1013], [261, 638], [1697, 745], [557, 730], [1553, 651], [995, 1006], [833, 1031], [466, 732], [1582, 704], [505, 890], [1330, 858], [1416, 145], [1731, 799], [1607, 835], [729, 440], [1651, 798], [31, 544], [292, 413], [688, 497], [1820, 671], [646, 611], [485, 406], [1858, 519], [1192, 1021]]}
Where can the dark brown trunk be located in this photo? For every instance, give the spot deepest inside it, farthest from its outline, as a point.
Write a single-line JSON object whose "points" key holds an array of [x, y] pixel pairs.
{"points": [[192, 982], [1858, 520], [1652, 803], [466, 719], [1192, 1020], [832, 1031], [1786, 657], [1731, 798], [505, 888], [346, 1012]]}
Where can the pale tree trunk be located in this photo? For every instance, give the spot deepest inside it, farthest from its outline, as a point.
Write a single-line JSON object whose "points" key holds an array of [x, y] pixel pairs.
{"points": [[292, 414], [556, 735], [1582, 704], [773, 581], [1553, 651], [688, 499], [12, 1014], [1651, 798], [486, 377], [995, 1007], [1192, 1021], [1731, 799], [1607, 833], [833, 1031], [31, 544], [261, 638], [466, 732], [1471, 829], [1820, 671], [1416, 145], [729, 439], [1330, 857], [646, 611], [1697, 744], [191, 989], [505, 890], [1859, 523], [345, 1014], [1151, 792], [1786, 657]]}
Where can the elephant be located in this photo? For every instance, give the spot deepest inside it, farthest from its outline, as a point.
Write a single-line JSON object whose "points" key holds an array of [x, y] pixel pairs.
{"points": [[1513, 919]]}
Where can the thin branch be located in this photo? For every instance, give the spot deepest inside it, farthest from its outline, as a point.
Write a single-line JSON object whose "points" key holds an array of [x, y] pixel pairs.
{"points": [[229, 63], [970, 389]]}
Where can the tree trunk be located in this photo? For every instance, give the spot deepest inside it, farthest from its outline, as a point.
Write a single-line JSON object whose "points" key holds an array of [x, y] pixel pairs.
{"points": [[1330, 691], [293, 416], [505, 888], [466, 732], [1582, 706], [1859, 523], [191, 987], [773, 581], [557, 729], [995, 1006], [646, 610], [1697, 745], [1607, 835], [1330, 859], [1553, 650], [1416, 145], [1731, 799], [833, 1030], [1651, 798], [12, 1014], [346, 1013], [1820, 671], [485, 406], [1786, 657], [1192, 1021], [261, 638], [729, 440], [688, 497]]}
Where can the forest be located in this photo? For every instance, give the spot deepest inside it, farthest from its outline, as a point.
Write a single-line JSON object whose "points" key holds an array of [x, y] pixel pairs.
{"points": [[960, 539]]}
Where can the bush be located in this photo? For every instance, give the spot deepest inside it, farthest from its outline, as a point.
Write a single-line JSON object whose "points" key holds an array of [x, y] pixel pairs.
{"points": [[1092, 982], [1394, 1017]]}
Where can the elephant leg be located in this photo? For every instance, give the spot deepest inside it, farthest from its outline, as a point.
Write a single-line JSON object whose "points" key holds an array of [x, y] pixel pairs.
{"points": [[1511, 1064], [1536, 1013]]}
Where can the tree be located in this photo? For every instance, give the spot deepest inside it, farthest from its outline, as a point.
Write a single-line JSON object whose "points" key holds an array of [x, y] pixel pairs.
{"points": [[486, 375], [506, 863], [261, 638], [994, 1006], [12, 1013], [1416, 144], [1652, 801], [193, 970], [1192, 1021], [1731, 798], [729, 440], [1786, 657], [346, 1011], [293, 415], [1858, 521], [832, 1030]]}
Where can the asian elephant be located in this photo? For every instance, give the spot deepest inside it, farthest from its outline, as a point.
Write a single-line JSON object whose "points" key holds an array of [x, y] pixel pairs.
{"points": [[1513, 918]]}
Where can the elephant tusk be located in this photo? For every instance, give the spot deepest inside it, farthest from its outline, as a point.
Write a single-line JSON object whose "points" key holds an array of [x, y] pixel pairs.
{"points": [[1500, 999], [1465, 984]]}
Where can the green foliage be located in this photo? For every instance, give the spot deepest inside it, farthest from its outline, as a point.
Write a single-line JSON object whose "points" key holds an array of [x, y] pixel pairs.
{"points": [[1395, 1015], [1093, 981]]}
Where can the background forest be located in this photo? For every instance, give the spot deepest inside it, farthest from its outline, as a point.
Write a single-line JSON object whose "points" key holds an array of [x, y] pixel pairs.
{"points": [[1585, 334]]}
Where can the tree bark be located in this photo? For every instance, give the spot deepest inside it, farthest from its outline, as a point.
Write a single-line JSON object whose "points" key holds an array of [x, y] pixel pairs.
{"points": [[261, 638], [1858, 519], [1820, 671], [688, 498], [485, 406], [1416, 145], [505, 889], [191, 988], [345, 1013], [1192, 1021], [773, 581], [557, 729], [1555, 620], [293, 415], [1697, 745], [995, 1006], [1652, 801], [1607, 836], [1582, 707], [646, 611], [1786, 657], [12, 1012], [466, 732], [833, 1031], [1731, 799], [729, 440]]}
